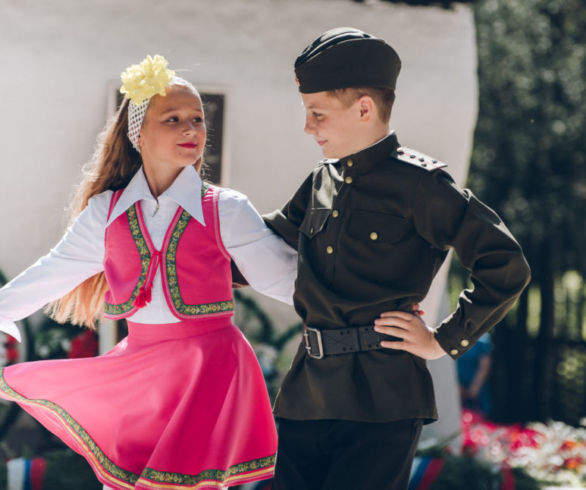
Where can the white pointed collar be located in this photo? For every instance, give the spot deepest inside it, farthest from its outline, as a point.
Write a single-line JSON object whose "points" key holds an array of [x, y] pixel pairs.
{"points": [[185, 191]]}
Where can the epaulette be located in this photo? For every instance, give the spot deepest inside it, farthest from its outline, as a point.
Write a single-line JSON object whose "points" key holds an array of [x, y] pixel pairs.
{"points": [[416, 158]]}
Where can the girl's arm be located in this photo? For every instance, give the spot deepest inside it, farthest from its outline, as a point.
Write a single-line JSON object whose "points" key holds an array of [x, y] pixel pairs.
{"points": [[78, 256], [265, 260]]}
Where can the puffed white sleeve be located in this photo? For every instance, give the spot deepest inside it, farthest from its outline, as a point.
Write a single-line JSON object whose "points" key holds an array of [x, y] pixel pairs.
{"points": [[266, 261], [78, 256]]}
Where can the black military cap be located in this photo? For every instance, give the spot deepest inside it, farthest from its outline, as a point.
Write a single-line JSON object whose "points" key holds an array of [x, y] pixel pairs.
{"points": [[346, 57]]}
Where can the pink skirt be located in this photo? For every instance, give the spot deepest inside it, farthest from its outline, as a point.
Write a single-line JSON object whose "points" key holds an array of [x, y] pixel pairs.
{"points": [[174, 406]]}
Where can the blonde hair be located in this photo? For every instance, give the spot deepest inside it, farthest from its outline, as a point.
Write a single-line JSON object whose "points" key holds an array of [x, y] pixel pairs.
{"points": [[382, 97], [112, 165]]}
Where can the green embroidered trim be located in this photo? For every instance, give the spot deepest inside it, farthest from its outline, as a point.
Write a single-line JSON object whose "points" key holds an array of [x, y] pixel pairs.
{"points": [[171, 254], [208, 475], [147, 473], [145, 259], [92, 447]]}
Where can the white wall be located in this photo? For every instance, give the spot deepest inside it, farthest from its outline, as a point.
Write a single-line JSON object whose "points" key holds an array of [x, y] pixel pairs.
{"points": [[57, 57]]}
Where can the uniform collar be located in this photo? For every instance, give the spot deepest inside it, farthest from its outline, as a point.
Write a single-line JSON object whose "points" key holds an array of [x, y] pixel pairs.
{"points": [[364, 160], [185, 191]]}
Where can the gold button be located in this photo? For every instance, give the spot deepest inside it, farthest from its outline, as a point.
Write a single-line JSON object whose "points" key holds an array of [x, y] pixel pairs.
{"points": [[465, 343], [348, 180], [330, 250], [349, 163], [335, 213], [453, 352], [374, 235]]}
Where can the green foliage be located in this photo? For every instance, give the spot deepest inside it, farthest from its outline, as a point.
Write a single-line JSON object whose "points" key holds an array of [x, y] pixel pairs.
{"points": [[426, 3], [523, 481], [267, 340], [530, 147], [67, 470], [466, 473], [529, 163], [259, 326], [52, 340]]}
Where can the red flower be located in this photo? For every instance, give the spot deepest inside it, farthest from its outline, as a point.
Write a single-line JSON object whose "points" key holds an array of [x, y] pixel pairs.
{"points": [[11, 349], [84, 345], [568, 445], [477, 433], [573, 463]]}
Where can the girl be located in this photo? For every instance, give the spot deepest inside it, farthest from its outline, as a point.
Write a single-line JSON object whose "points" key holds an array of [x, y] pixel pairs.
{"points": [[181, 402]]}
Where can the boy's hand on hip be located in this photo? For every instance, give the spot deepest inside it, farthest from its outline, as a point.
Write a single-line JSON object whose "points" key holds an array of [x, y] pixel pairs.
{"points": [[417, 337]]}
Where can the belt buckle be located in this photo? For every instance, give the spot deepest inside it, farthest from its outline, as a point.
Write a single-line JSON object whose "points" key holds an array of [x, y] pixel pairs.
{"points": [[308, 347]]}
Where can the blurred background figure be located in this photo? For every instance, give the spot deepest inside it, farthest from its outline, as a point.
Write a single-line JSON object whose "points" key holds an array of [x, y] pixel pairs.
{"points": [[473, 371]]}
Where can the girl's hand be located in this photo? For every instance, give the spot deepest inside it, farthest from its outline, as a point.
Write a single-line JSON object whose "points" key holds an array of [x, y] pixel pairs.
{"points": [[417, 337]]}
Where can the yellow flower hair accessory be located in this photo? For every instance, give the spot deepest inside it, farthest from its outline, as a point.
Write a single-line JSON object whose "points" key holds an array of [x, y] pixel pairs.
{"points": [[143, 81]]}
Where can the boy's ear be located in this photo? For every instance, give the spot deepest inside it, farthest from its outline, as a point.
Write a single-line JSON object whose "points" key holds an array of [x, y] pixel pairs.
{"points": [[366, 107]]}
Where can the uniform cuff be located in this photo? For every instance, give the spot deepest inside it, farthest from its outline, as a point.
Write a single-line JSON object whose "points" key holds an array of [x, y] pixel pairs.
{"points": [[455, 344]]}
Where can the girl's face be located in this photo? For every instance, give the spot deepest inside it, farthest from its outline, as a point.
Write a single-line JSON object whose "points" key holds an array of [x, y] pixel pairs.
{"points": [[173, 133]]}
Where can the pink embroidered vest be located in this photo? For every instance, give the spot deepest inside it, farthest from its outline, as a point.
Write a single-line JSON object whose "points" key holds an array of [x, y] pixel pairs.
{"points": [[194, 265]]}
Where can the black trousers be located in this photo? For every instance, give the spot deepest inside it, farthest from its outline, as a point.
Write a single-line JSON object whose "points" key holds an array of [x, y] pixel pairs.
{"points": [[345, 455]]}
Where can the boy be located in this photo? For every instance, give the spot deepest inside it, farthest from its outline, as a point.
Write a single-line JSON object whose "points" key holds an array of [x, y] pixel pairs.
{"points": [[372, 225]]}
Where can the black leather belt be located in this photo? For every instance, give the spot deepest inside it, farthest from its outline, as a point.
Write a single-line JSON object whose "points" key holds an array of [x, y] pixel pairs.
{"points": [[331, 342]]}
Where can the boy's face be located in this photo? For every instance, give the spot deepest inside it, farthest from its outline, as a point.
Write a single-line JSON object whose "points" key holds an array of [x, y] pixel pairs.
{"points": [[333, 124]]}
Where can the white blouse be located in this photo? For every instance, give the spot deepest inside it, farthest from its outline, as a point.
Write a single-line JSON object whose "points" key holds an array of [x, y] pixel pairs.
{"points": [[267, 262]]}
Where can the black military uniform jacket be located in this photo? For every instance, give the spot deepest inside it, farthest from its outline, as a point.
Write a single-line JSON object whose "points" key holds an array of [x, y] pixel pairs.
{"points": [[372, 230]]}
